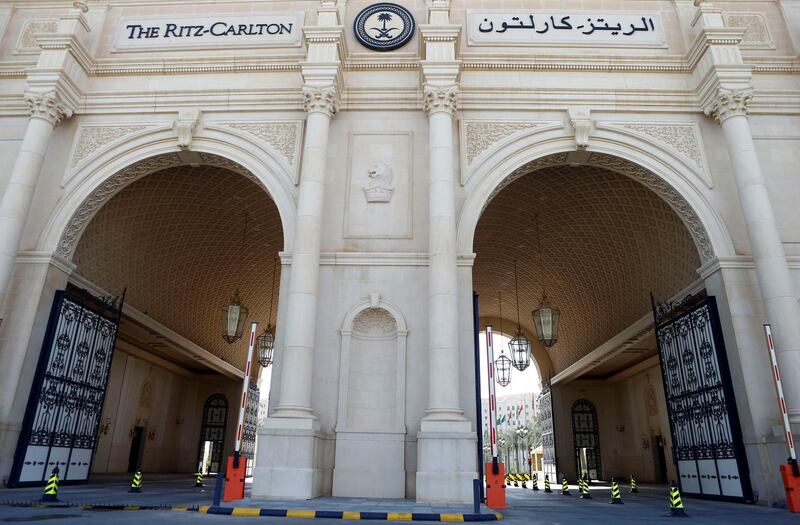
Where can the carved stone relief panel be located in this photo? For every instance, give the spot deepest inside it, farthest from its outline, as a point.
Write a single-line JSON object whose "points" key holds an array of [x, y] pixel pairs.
{"points": [[26, 43], [379, 181], [756, 35]]}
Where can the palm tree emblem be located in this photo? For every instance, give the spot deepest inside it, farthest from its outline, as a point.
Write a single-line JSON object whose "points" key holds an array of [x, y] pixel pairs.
{"points": [[384, 32]]}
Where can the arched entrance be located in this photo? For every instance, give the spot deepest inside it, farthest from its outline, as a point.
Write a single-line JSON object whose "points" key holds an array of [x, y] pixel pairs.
{"points": [[598, 234], [181, 234]]}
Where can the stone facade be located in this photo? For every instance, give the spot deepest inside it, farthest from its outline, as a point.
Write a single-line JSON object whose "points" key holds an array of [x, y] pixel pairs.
{"points": [[699, 105]]}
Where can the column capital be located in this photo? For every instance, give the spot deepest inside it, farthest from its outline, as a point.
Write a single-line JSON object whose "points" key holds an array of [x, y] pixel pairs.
{"points": [[440, 98], [48, 106], [321, 99], [729, 103]]}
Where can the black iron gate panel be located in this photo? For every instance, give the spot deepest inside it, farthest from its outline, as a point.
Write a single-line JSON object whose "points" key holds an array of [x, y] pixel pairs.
{"points": [[66, 400], [250, 427], [706, 436], [586, 436], [215, 421], [545, 413]]}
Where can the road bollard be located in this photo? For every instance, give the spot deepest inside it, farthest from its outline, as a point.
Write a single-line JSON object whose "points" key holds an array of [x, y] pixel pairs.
{"points": [[564, 486], [584, 486], [136, 484], [634, 488], [535, 482], [218, 488], [51, 488], [675, 502], [616, 497], [198, 480], [547, 483]]}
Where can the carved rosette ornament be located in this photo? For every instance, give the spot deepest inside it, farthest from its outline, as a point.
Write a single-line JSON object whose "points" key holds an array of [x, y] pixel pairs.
{"points": [[322, 100], [436, 98], [729, 103], [47, 106]]}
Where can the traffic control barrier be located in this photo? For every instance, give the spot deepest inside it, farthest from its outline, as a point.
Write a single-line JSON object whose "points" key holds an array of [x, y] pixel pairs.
{"points": [[584, 487], [616, 497], [547, 483], [675, 502], [51, 487], [495, 490], [136, 484], [198, 480], [792, 485], [515, 479], [535, 482], [564, 486], [634, 488]]}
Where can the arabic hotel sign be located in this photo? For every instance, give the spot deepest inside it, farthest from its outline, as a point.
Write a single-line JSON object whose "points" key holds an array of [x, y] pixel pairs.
{"points": [[629, 29]]}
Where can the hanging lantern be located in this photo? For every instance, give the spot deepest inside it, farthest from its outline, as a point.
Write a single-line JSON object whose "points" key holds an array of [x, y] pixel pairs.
{"points": [[519, 347], [502, 369], [546, 320], [265, 345], [234, 314]]}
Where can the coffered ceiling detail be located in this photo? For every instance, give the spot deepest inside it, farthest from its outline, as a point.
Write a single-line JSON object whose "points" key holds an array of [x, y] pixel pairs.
{"points": [[175, 239], [607, 241]]}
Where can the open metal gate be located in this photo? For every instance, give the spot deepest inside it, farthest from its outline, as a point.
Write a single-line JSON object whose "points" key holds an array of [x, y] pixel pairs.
{"points": [[66, 400], [545, 414], [707, 441]]}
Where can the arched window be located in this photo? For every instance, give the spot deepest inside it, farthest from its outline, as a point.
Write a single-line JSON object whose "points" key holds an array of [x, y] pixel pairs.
{"points": [[587, 439], [212, 433]]}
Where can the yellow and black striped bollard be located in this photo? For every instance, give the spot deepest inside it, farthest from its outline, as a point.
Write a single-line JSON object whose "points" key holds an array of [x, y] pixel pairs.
{"points": [[198, 482], [585, 489], [616, 497], [564, 486], [535, 482], [136, 484], [51, 487], [547, 483], [634, 489], [675, 502]]}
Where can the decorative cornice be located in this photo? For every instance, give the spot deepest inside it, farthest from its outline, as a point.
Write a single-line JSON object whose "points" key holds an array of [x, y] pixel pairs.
{"points": [[92, 138], [47, 106], [440, 98], [729, 103], [321, 100]]}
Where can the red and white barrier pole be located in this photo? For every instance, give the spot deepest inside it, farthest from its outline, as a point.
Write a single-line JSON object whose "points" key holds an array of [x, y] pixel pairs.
{"points": [[492, 400], [776, 375], [245, 387]]}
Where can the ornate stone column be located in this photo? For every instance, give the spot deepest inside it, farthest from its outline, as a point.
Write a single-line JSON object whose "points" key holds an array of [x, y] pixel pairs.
{"points": [[295, 389], [47, 110], [443, 393], [775, 282]]}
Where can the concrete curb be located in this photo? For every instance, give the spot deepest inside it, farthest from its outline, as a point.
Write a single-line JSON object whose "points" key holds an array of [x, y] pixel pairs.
{"points": [[275, 513]]}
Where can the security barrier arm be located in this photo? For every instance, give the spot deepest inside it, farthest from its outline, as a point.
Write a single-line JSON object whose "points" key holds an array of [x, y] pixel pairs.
{"points": [[776, 375], [492, 400], [245, 387]]}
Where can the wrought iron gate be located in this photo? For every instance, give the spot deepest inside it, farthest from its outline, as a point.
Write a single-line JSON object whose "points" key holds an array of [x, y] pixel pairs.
{"points": [[707, 441], [545, 413], [250, 427], [215, 420], [586, 437], [66, 400]]}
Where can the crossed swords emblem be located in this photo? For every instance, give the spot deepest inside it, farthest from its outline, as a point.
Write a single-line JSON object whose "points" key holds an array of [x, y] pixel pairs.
{"points": [[384, 32]]}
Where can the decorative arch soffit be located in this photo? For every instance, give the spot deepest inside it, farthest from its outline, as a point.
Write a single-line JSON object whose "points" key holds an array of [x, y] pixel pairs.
{"points": [[81, 218], [632, 170]]}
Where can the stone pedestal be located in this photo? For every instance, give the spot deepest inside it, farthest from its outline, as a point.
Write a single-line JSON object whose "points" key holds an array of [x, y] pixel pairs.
{"points": [[369, 465], [446, 459]]}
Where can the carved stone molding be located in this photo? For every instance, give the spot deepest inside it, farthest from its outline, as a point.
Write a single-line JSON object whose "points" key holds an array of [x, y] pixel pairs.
{"points": [[480, 136], [281, 136], [379, 188], [729, 103], [92, 138], [112, 186], [681, 137], [436, 98], [636, 172], [185, 125], [322, 100], [47, 106], [27, 37], [580, 118], [374, 321]]}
